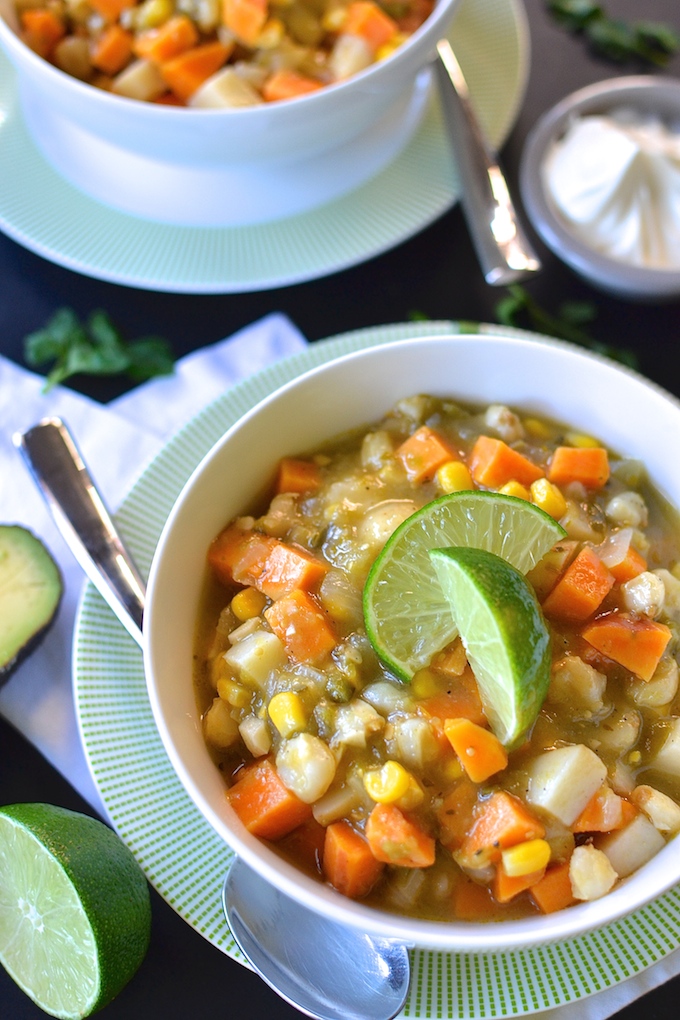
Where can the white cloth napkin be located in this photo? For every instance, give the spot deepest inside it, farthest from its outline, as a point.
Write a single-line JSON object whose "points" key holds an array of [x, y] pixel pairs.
{"points": [[117, 441]]}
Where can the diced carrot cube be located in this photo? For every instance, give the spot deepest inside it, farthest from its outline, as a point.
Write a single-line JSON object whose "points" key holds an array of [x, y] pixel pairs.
{"points": [[473, 902], [501, 821], [186, 72], [632, 564], [288, 567], [553, 891], [348, 863], [297, 475], [175, 36], [581, 589], [461, 699], [245, 18], [479, 750], [396, 839], [455, 814], [635, 642], [506, 887], [588, 465], [265, 806], [302, 625], [367, 20], [423, 453], [112, 50], [42, 29], [493, 463], [287, 84]]}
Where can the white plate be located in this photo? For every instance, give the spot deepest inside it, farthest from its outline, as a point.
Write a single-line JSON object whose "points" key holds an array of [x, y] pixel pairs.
{"points": [[182, 855], [43, 212]]}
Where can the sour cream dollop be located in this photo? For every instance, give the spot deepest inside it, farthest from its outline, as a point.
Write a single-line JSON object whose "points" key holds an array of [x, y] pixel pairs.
{"points": [[615, 180]]}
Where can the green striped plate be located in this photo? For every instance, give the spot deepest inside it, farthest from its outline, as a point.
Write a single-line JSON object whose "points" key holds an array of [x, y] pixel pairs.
{"points": [[181, 854]]}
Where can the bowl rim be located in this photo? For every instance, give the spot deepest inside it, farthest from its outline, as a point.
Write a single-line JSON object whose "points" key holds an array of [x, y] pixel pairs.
{"points": [[436, 22], [545, 218], [464, 936]]}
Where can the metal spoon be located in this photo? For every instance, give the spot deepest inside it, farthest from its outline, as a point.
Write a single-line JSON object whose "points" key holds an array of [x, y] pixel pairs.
{"points": [[504, 252], [328, 971]]}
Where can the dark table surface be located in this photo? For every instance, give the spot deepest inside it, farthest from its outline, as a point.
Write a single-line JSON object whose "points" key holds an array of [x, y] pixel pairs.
{"points": [[436, 273]]}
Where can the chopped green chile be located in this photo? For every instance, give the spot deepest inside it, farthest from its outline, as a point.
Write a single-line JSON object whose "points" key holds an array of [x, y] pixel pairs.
{"points": [[595, 789]]}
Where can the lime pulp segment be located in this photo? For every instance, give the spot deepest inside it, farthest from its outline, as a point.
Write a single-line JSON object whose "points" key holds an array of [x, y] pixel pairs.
{"points": [[504, 633], [408, 618]]}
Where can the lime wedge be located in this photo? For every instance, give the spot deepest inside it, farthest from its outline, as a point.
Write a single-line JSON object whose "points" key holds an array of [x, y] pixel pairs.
{"points": [[75, 913], [504, 634], [408, 618]]}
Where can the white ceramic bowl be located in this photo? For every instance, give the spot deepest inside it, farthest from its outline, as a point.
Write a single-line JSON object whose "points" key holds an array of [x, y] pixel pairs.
{"points": [[617, 405], [225, 167], [648, 95]]}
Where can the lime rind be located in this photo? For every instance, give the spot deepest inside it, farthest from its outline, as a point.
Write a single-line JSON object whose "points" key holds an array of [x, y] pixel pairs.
{"points": [[504, 633], [407, 617]]}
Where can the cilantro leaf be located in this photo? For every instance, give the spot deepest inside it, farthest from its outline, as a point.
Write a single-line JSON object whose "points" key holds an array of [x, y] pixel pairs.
{"points": [[643, 41], [94, 348], [519, 309]]}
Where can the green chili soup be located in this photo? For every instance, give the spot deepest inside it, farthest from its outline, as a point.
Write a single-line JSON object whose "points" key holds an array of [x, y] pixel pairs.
{"points": [[401, 794]]}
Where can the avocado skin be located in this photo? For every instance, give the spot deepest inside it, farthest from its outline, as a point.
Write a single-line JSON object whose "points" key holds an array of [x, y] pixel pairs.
{"points": [[17, 534]]}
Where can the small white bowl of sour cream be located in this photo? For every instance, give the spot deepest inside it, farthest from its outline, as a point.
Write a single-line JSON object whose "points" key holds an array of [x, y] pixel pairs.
{"points": [[600, 181]]}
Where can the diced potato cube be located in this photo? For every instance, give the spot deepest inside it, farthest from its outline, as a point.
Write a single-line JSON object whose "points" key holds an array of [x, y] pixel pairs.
{"points": [[350, 54], [667, 758], [140, 80], [354, 723], [671, 586], [340, 802], [256, 656], [628, 849], [227, 89], [662, 810], [591, 873], [255, 735], [563, 780]]}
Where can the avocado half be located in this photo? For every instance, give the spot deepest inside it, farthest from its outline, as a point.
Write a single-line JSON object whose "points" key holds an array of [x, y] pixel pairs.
{"points": [[31, 589]]}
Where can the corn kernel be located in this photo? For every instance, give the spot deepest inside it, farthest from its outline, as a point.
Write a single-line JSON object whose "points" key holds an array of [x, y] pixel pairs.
{"points": [[514, 488], [635, 757], [526, 858], [153, 13], [425, 683], [334, 18], [580, 439], [388, 48], [387, 784], [537, 428], [235, 694], [548, 497], [287, 712], [271, 34], [452, 770], [454, 476], [247, 604]]}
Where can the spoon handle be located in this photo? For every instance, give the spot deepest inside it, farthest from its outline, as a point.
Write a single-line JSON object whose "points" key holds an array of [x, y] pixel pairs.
{"points": [[504, 252], [83, 520]]}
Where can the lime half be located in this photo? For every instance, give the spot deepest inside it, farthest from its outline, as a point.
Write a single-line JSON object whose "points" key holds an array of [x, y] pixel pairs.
{"points": [[505, 636], [408, 618], [75, 913]]}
